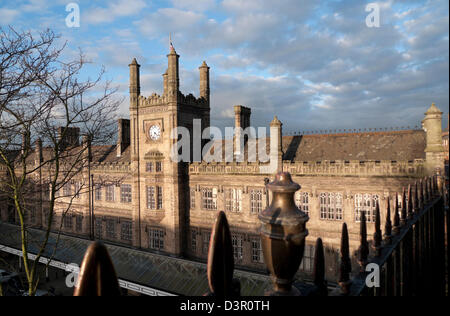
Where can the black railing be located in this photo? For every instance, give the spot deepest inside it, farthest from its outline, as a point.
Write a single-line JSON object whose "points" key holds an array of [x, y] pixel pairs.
{"points": [[411, 255]]}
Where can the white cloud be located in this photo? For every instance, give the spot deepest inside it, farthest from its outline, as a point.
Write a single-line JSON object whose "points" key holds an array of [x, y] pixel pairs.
{"points": [[8, 16], [114, 10], [195, 5]]}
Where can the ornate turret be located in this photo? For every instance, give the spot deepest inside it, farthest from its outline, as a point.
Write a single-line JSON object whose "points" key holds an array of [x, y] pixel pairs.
{"points": [[204, 81], [166, 82], [173, 79], [276, 145], [434, 151]]}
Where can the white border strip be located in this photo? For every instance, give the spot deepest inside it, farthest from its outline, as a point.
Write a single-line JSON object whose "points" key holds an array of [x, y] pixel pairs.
{"points": [[60, 265]]}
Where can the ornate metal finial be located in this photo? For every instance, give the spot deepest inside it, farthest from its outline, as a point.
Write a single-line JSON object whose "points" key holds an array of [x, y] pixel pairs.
{"points": [[364, 245], [97, 275], [319, 269], [345, 267], [377, 236], [388, 225], [396, 216], [220, 259], [283, 234]]}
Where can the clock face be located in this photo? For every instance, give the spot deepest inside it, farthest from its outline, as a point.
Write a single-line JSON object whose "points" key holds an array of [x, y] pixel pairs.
{"points": [[155, 132]]}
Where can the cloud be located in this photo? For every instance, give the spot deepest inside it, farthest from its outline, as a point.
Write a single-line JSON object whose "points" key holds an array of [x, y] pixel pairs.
{"points": [[114, 10], [321, 65], [313, 63], [194, 5], [8, 16]]}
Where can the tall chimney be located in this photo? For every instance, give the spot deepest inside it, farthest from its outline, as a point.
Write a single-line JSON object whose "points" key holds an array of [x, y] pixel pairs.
{"points": [[123, 137], [39, 157], [241, 122], [434, 151], [204, 81], [135, 84], [71, 137], [173, 78]]}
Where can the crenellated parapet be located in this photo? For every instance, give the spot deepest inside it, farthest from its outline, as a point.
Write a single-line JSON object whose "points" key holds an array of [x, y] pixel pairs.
{"points": [[356, 168], [191, 100], [117, 167], [154, 99], [225, 168]]}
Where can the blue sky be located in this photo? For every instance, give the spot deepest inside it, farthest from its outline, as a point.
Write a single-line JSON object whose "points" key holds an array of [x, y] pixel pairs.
{"points": [[315, 64]]}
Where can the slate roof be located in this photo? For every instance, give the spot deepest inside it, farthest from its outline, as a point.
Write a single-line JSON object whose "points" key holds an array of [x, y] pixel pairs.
{"points": [[389, 145], [172, 275], [392, 145]]}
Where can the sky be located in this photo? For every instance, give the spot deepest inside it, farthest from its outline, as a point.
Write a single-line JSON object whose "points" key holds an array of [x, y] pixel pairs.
{"points": [[314, 64]]}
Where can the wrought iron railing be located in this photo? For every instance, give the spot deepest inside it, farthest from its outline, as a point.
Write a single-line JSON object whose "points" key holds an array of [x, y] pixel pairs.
{"points": [[412, 254]]}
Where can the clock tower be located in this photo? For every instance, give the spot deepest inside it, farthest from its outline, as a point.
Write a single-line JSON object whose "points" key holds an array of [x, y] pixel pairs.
{"points": [[161, 186]]}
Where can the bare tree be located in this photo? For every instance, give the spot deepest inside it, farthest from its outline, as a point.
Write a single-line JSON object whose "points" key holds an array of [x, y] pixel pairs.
{"points": [[44, 105]]}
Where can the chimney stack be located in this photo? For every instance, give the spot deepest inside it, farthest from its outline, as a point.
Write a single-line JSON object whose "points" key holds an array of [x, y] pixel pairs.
{"points": [[71, 137], [241, 122], [39, 158], [123, 137], [434, 151]]}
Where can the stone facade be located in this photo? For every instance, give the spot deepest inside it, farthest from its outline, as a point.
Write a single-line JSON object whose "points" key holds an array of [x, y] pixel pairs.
{"points": [[144, 199]]}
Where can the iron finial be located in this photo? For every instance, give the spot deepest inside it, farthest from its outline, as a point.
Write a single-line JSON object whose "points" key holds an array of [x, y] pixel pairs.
{"points": [[404, 214], [97, 274], [396, 216], [319, 269], [416, 198], [377, 236], [346, 266], [364, 245], [220, 259], [421, 198], [410, 203], [388, 225]]}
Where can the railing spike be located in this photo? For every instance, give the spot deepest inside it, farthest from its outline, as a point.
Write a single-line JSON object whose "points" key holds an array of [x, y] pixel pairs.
{"points": [[421, 196], [410, 203], [377, 236], [432, 186], [427, 189], [396, 216], [319, 269], [445, 193], [346, 266], [220, 259], [388, 225], [364, 245], [97, 275], [435, 185], [404, 215], [416, 199]]}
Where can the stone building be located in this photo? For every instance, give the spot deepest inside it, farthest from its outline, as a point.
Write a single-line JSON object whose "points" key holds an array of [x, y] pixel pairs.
{"points": [[143, 199]]}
